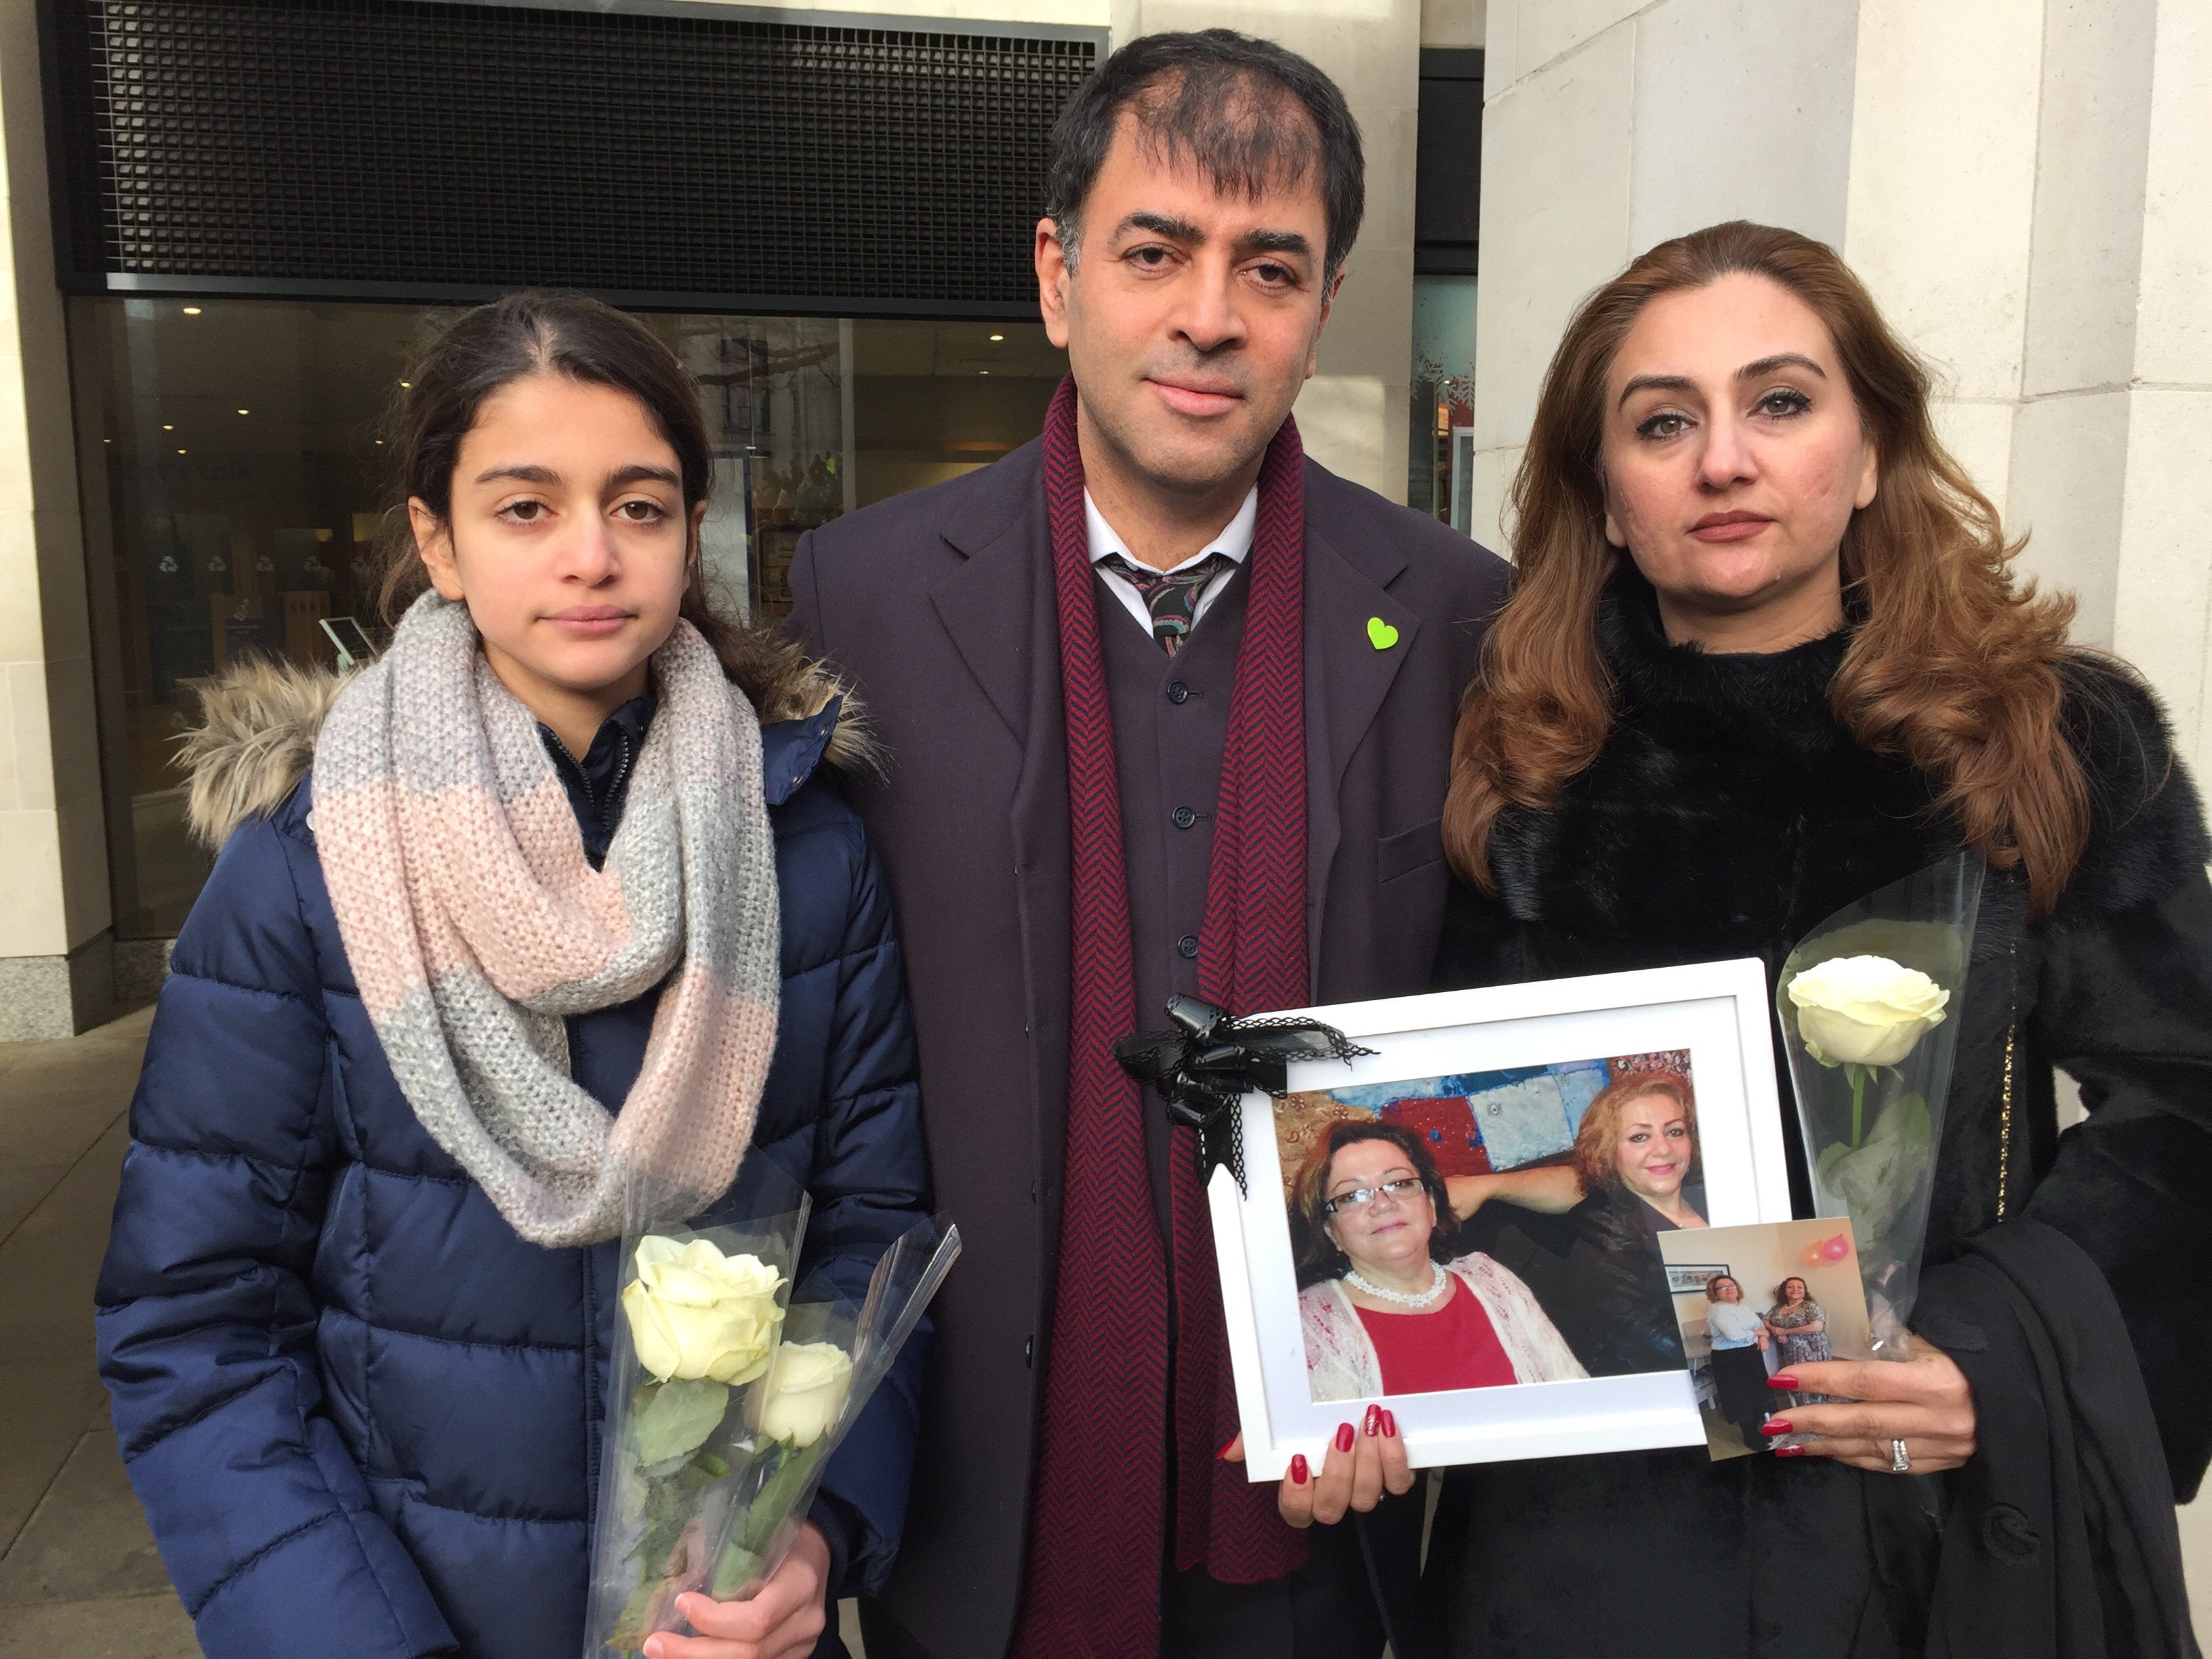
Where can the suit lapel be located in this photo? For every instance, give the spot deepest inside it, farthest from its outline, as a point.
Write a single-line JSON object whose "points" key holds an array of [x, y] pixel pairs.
{"points": [[988, 601], [1348, 675]]}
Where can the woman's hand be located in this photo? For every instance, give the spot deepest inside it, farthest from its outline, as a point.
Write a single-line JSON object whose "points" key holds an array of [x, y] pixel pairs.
{"points": [[1924, 1401], [1362, 1464], [782, 1622]]}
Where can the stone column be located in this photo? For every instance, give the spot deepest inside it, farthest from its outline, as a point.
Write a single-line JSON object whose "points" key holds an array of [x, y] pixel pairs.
{"points": [[56, 954]]}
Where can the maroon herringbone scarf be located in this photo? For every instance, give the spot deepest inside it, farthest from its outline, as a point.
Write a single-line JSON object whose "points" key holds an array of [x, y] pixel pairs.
{"points": [[1100, 1512]]}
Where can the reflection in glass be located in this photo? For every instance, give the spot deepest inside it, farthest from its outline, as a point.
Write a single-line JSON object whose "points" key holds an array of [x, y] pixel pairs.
{"points": [[236, 484]]}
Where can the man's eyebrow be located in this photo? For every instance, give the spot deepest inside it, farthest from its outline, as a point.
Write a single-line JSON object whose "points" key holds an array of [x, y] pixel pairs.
{"points": [[1180, 230], [1752, 370], [1276, 241]]}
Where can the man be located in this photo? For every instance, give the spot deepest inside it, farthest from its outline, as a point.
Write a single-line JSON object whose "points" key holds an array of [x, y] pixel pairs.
{"points": [[1168, 709]]}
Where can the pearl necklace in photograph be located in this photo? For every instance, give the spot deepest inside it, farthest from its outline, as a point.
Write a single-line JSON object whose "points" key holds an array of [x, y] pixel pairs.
{"points": [[1436, 1288]]}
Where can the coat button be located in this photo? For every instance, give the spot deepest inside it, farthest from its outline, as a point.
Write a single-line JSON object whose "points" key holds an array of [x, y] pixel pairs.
{"points": [[1187, 944], [1182, 817], [1178, 692]]}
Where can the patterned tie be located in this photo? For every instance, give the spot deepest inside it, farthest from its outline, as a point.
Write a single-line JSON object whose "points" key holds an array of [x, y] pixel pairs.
{"points": [[1171, 597]]}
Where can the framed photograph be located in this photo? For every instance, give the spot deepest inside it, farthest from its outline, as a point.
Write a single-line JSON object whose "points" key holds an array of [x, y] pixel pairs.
{"points": [[1690, 1281], [1463, 1224]]}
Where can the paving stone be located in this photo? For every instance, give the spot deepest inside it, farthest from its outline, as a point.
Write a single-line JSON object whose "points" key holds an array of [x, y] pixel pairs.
{"points": [[87, 1540], [45, 1410], [140, 1627]]}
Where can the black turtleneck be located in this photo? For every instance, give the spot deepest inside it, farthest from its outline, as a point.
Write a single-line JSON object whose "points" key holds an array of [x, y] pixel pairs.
{"points": [[598, 783]]}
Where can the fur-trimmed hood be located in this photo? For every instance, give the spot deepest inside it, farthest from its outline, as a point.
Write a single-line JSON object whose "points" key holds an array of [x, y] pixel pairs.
{"points": [[258, 722]]}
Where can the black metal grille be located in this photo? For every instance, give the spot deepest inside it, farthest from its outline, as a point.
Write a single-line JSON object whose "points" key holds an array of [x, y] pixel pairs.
{"points": [[396, 146]]}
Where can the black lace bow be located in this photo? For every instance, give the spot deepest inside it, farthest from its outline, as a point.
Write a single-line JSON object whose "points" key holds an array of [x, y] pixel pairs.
{"points": [[1209, 1062]]}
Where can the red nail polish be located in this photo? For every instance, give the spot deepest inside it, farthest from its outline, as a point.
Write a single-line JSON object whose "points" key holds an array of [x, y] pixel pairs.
{"points": [[1344, 1437], [1774, 1425], [1298, 1471], [1372, 1422], [1389, 1426], [1225, 1446], [1781, 1380], [1789, 1451]]}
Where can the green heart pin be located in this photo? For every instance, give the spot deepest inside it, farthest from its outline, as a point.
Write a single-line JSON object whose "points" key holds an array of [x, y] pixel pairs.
{"points": [[1380, 634]]}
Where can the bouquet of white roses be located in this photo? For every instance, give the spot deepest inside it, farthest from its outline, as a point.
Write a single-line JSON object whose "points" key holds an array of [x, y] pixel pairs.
{"points": [[727, 1401], [1866, 1001]]}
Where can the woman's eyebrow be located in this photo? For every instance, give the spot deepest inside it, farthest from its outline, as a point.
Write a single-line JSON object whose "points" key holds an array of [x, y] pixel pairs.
{"points": [[1780, 360], [1751, 371], [524, 472], [640, 473]]}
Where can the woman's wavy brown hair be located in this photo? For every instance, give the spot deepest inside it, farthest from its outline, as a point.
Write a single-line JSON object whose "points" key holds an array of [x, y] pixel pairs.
{"points": [[1954, 667]]}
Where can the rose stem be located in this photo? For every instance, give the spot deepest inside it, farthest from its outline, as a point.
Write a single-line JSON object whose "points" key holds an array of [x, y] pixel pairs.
{"points": [[1858, 1101]]}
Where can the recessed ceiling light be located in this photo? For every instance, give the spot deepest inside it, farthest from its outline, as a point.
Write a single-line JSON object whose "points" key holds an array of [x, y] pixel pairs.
{"points": [[380, 443], [407, 385], [246, 411], [108, 441], [995, 337], [982, 370], [192, 310], [180, 451], [168, 428]]}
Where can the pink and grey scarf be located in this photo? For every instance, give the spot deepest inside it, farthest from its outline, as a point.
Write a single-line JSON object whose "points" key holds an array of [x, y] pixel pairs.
{"points": [[474, 925]]}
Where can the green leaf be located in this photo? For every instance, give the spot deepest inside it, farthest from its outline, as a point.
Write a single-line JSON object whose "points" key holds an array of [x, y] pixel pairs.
{"points": [[733, 1571], [676, 1421], [1876, 1179], [776, 1495], [1835, 1150]]}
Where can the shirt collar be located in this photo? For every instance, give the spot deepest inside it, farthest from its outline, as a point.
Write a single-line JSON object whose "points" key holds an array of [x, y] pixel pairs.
{"points": [[1234, 543]]}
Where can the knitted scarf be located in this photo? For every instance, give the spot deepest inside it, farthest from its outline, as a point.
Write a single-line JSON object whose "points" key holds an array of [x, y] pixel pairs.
{"points": [[474, 924], [1101, 1507]]}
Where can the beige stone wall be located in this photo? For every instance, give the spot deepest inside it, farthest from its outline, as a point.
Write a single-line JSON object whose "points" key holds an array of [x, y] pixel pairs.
{"points": [[54, 899]]}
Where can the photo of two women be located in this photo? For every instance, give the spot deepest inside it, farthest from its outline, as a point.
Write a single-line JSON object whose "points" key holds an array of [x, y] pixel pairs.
{"points": [[1491, 1228]]}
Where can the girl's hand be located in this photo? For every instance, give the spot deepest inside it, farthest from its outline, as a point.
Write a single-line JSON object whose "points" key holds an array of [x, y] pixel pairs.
{"points": [[1925, 1402], [1362, 1464], [782, 1622]]}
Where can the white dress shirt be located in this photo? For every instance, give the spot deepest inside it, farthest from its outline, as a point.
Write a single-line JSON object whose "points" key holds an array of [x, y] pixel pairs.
{"points": [[1235, 542]]}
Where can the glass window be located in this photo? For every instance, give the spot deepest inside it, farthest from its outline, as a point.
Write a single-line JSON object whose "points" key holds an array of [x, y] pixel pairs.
{"points": [[1443, 395], [234, 479]]}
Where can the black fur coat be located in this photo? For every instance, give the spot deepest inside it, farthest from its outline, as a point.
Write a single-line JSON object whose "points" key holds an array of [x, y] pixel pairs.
{"points": [[1729, 814]]}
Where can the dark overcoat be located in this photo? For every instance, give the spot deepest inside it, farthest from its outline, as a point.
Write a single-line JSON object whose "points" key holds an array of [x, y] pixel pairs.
{"points": [[1729, 813], [940, 605]]}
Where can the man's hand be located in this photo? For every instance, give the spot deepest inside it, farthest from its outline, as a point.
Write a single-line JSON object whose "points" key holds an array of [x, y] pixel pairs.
{"points": [[1925, 1402], [782, 1622], [1362, 1464]]}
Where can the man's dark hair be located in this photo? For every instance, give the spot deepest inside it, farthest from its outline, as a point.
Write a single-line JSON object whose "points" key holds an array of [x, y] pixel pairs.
{"points": [[1219, 97]]}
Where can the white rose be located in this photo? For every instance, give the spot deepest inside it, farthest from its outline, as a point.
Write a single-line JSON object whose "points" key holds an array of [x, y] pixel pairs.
{"points": [[696, 1313], [804, 1392], [1866, 1011]]}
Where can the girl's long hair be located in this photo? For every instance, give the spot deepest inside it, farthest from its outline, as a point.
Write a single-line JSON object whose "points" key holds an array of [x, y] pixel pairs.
{"points": [[1954, 667], [537, 332]]}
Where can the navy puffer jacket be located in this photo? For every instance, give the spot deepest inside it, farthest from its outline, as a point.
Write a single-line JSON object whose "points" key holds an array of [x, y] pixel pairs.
{"points": [[363, 1414]]}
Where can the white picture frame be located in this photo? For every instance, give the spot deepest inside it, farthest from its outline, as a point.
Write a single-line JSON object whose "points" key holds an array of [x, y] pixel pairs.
{"points": [[1719, 1012]]}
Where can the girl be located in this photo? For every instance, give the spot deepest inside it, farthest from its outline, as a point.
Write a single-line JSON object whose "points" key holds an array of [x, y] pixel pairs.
{"points": [[551, 894]]}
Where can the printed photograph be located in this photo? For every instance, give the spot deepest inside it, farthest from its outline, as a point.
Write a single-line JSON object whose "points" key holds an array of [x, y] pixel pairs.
{"points": [[1790, 1295], [1491, 1228]]}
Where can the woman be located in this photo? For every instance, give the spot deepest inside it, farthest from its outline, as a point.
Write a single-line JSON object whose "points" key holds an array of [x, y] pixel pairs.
{"points": [[1801, 1334], [1739, 1339], [1767, 654], [555, 893], [1633, 1176], [1387, 1307]]}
